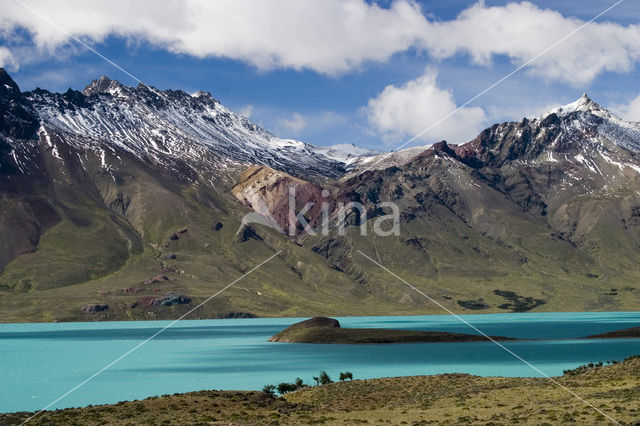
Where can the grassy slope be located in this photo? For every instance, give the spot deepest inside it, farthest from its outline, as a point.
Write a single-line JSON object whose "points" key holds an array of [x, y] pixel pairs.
{"points": [[301, 282], [93, 252], [442, 399]]}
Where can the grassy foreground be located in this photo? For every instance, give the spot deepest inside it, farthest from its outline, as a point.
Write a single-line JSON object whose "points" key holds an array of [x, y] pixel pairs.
{"points": [[441, 399]]}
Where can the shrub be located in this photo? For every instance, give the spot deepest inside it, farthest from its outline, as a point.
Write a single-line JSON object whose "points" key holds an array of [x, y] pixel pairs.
{"points": [[269, 390], [286, 388], [299, 383], [324, 378], [347, 375]]}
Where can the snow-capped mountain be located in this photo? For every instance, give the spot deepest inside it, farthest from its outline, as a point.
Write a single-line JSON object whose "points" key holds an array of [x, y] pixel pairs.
{"points": [[346, 153], [155, 125], [388, 159], [576, 149], [107, 188], [542, 164], [584, 134], [622, 133]]}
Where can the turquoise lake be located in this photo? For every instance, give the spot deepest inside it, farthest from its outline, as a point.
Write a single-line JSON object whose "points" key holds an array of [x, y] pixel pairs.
{"points": [[40, 362]]}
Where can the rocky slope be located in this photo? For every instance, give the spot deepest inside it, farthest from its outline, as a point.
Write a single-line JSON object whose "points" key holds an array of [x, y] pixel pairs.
{"points": [[103, 191], [159, 126], [524, 215]]}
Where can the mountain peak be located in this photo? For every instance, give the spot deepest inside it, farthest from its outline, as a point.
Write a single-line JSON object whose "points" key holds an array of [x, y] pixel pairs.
{"points": [[7, 85], [201, 93], [584, 104], [102, 85]]}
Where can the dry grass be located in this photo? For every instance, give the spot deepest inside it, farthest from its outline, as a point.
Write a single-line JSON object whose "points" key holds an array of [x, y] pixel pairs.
{"points": [[442, 399]]}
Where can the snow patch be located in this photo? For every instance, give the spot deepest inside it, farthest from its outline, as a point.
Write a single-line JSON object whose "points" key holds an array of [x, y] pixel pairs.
{"points": [[344, 153], [47, 139], [611, 161]]}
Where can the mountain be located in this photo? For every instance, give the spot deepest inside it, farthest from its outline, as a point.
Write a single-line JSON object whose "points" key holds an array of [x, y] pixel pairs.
{"points": [[160, 126], [115, 203], [131, 203], [537, 214]]}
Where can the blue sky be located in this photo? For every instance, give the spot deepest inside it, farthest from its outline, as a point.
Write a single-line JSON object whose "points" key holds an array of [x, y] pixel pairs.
{"points": [[323, 101]]}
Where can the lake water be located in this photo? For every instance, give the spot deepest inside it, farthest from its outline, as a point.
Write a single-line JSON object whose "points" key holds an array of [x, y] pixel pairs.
{"points": [[40, 362]]}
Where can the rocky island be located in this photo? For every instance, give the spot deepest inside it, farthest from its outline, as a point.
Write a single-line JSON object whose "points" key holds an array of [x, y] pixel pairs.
{"points": [[328, 331], [628, 333]]}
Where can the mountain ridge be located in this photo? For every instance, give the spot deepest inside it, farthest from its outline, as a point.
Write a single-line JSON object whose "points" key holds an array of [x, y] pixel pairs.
{"points": [[128, 203], [157, 124]]}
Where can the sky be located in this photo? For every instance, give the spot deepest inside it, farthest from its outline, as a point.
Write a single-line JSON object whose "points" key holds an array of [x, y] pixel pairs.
{"points": [[377, 74]]}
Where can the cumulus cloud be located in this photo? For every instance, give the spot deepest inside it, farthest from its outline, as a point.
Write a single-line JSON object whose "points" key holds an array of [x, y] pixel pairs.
{"points": [[295, 124], [330, 36], [522, 30], [418, 105], [334, 36], [630, 111]]}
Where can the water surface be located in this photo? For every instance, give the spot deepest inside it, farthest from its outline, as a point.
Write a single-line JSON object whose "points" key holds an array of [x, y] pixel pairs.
{"points": [[40, 362]]}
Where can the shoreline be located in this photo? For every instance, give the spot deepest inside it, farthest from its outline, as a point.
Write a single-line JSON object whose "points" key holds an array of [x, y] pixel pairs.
{"points": [[522, 314], [416, 398]]}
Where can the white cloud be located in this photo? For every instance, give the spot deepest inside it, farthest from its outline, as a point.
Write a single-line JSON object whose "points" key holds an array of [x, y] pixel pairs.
{"points": [[246, 111], [329, 36], [630, 111], [7, 59], [522, 30], [293, 125], [408, 110], [334, 36]]}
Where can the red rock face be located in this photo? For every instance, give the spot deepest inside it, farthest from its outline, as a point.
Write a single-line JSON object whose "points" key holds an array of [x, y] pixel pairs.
{"points": [[469, 151], [268, 192]]}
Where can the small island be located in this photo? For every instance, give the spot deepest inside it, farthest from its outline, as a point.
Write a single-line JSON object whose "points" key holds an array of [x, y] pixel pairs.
{"points": [[328, 331], [626, 333]]}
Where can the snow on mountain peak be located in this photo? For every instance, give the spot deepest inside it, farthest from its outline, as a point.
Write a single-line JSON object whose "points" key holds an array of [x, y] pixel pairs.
{"points": [[592, 127], [201, 93], [162, 124], [102, 85], [345, 153], [584, 104]]}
